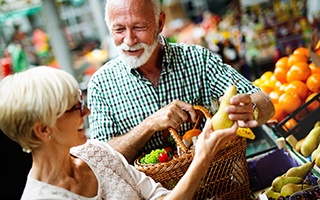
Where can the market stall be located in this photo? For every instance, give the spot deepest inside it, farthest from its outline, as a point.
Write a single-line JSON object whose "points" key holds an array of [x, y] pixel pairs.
{"points": [[294, 88]]}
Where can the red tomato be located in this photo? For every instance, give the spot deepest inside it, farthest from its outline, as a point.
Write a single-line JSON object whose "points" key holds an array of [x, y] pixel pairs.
{"points": [[163, 157], [168, 149]]}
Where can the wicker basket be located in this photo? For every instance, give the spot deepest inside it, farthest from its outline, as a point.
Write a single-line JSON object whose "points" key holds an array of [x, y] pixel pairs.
{"points": [[226, 178]]}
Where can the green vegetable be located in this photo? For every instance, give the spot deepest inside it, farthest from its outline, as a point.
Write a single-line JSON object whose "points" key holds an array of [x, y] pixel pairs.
{"points": [[152, 157]]}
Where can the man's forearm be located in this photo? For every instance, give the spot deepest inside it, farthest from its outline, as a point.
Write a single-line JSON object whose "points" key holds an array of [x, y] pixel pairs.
{"points": [[131, 143], [264, 105]]}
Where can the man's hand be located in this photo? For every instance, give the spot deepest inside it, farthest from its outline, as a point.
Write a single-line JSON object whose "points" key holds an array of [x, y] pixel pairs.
{"points": [[172, 115], [241, 110]]}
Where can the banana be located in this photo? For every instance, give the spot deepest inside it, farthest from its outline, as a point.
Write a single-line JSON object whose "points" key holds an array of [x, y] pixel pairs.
{"points": [[246, 133]]}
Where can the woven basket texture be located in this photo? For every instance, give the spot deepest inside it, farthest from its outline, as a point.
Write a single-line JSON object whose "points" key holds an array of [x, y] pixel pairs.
{"points": [[226, 178]]}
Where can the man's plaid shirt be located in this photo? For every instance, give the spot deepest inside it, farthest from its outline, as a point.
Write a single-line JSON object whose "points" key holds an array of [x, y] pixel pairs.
{"points": [[119, 99]]}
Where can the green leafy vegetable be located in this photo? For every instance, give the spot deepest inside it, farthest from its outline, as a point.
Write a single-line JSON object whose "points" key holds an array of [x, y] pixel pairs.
{"points": [[152, 157]]}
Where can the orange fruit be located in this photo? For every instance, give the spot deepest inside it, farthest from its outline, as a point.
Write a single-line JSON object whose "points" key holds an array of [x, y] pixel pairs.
{"points": [[190, 133], [295, 58], [303, 51], [298, 87], [315, 104], [279, 114], [280, 74], [266, 89], [313, 82], [274, 96], [257, 82], [271, 82], [283, 86], [289, 124], [317, 52], [266, 75], [298, 71], [317, 46], [278, 84], [289, 102], [282, 62], [314, 68]]}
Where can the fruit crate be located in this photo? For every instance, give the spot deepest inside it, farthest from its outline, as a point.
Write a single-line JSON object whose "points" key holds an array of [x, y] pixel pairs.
{"points": [[265, 141], [303, 125], [263, 169]]}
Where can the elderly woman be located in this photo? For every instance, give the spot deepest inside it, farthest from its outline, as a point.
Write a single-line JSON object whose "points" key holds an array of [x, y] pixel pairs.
{"points": [[43, 110]]}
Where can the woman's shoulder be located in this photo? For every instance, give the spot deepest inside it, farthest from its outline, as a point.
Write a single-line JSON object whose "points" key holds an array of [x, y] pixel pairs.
{"points": [[93, 145]]}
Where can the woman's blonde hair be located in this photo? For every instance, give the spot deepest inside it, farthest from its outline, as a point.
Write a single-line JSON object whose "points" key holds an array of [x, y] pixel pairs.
{"points": [[37, 95]]}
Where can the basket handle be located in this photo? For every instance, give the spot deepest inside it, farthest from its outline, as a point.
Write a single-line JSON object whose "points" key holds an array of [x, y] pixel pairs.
{"points": [[201, 111]]}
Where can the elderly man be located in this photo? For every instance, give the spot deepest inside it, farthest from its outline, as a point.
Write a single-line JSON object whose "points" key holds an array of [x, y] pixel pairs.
{"points": [[153, 84]]}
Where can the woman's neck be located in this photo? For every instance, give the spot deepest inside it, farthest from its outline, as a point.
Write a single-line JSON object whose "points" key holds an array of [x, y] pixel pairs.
{"points": [[47, 168], [66, 172]]}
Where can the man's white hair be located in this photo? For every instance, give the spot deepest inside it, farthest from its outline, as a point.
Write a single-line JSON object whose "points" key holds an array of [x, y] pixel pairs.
{"points": [[155, 5]]}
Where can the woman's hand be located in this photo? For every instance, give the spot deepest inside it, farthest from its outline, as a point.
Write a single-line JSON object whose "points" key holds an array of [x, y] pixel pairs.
{"points": [[210, 142]]}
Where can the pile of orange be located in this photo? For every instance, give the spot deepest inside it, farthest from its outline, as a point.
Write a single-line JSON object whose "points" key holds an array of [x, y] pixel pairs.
{"points": [[294, 81]]}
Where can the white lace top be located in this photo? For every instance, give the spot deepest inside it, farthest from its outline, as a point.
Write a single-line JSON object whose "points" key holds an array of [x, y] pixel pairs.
{"points": [[116, 178]]}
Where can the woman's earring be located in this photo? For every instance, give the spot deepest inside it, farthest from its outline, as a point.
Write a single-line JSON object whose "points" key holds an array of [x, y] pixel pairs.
{"points": [[49, 137]]}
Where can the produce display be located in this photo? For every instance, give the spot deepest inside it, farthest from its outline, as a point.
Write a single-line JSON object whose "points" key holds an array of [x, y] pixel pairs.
{"points": [[293, 82], [310, 145], [294, 180], [292, 87], [311, 142]]}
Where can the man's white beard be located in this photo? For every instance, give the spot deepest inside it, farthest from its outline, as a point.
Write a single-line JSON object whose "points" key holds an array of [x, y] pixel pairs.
{"points": [[133, 61]]}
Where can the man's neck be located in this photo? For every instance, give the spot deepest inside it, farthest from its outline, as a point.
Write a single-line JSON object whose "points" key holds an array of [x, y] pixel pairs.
{"points": [[152, 69]]}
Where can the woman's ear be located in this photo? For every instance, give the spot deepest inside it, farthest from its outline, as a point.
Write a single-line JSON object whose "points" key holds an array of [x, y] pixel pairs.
{"points": [[42, 131]]}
